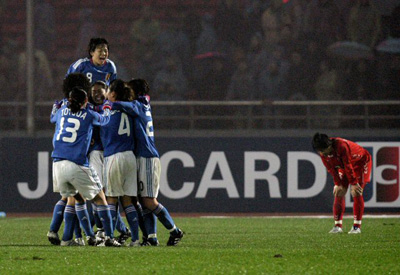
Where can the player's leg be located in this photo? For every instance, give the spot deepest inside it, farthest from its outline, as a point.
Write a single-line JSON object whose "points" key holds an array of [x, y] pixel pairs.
{"points": [[339, 193], [120, 225], [139, 211], [96, 161], [103, 211], [58, 213], [132, 218], [113, 206], [165, 218], [364, 175], [56, 221], [69, 223]]}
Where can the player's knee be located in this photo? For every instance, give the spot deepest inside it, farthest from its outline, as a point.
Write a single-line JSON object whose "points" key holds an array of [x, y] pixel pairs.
{"points": [[339, 191], [355, 193], [150, 203]]}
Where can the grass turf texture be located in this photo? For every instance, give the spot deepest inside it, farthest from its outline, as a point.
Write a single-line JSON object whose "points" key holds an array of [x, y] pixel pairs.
{"points": [[213, 246]]}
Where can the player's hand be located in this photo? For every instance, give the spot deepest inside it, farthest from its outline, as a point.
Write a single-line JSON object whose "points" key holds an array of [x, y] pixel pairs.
{"points": [[358, 189], [107, 105], [56, 105]]}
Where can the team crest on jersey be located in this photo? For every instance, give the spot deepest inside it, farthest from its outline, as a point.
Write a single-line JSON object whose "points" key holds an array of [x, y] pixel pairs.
{"points": [[384, 188]]}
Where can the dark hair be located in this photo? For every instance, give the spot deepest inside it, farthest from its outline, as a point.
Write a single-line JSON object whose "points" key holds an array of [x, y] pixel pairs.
{"points": [[139, 86], [122, 91], [77, 97], [74, 80], [321, 141], [102, 84], [96, 41]]}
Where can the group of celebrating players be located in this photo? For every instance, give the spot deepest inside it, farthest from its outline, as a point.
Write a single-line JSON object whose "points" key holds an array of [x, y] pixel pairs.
{"points": [[104, 152]]}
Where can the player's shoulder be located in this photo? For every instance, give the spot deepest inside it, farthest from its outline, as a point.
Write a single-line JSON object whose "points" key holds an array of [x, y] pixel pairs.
{"points": [[80, 62], [112, 65]]}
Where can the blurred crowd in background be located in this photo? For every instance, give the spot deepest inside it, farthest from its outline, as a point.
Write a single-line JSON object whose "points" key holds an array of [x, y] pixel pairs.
{"points": [[213, 50]]}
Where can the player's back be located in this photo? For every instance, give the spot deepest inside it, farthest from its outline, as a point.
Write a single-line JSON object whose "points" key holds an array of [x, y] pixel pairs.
{"points": [[144, 130], [356, 151], [72, 135], [117, 136]]}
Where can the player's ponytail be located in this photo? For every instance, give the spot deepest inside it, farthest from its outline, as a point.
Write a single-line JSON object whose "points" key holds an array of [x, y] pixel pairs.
{"points": [[77, 97]]}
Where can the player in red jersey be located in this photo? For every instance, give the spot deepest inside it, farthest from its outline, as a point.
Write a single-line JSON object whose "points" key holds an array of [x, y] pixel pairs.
{"points": [[349, 164]]}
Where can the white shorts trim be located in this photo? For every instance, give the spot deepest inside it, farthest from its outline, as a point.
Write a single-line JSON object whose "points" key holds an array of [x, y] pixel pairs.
{"points": [[149, 171], [120, 174], [96, 160]]}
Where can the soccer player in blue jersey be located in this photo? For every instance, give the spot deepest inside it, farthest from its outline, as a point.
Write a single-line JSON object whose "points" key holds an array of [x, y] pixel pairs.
{"points": [[95, 154], [120, 174], [71, 81], [148, 164], [72, 175], [96, 160], [96, 66]]}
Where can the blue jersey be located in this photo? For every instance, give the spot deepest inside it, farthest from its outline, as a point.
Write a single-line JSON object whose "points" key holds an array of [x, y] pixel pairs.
{"points": [[140, 110], [117, 136], [106, 73], [74, 132]]}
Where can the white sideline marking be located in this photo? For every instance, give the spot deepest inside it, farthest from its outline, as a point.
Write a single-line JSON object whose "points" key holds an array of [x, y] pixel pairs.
{"points": [[302, 217]]}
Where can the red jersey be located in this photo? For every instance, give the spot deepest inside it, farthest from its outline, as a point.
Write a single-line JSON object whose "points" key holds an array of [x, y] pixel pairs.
{"points": [[347, 162]]}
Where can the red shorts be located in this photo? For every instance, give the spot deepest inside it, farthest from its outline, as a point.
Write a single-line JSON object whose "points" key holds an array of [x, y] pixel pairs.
{"points": [[363, 175]]}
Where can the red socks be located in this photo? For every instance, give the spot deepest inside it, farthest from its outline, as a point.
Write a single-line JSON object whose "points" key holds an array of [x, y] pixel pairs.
{"points": [[338, 210], [358, 210]]}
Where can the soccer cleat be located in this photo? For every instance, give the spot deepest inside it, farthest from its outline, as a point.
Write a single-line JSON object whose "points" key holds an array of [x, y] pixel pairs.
{"points": [[175, 238], [80, 241], [336, 230], [93, 241], [69, 243], [111, 242], [100, 234], [135, 243], [150, 242], [124, 236], [53, 238], [355, 230]]}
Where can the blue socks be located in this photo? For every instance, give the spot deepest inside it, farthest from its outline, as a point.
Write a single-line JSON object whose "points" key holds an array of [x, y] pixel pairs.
{"points": [[132, 217], [113, 212], [105, 217], [150, 223], [120, 226], [69, 223], [97, 220], [164, 217], [139, 211], [58, 214], [84, 219]]}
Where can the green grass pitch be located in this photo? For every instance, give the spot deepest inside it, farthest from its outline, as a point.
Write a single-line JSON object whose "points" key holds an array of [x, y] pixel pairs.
{"points": [[238, 245]]}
